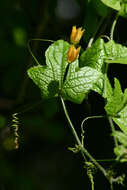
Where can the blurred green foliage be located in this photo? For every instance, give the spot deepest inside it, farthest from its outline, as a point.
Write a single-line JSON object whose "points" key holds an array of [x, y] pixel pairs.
{"points": [[2, 121]]}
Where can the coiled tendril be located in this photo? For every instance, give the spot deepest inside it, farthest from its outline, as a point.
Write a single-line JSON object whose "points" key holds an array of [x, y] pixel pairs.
{"points": [[15, 126]]}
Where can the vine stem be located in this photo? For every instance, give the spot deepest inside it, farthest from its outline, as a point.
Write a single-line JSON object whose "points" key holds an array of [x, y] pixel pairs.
{"points": [[111, 185], [113, 26], [113, 130], [70, 123], [29, 48], [92, 185], [84, 120], [82, 149]]}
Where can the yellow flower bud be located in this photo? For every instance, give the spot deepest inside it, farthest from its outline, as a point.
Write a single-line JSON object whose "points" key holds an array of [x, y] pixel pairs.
{"points": [[72, 53], [76, 35]]}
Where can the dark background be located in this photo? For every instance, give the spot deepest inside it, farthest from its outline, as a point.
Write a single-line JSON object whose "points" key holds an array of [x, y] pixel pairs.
{"points": [[43, 161]]}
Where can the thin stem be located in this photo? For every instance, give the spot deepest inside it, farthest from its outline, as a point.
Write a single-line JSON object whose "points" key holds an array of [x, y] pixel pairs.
{"points": [[91, 180], [82, 125], [92, 184], [83, 155], [95, 162], [105, 36], [44, 20], [107, 160], [111, 185], [90, 42], [29, 48], [113, 27], [113, 130], [70, 123], [83, 150]]}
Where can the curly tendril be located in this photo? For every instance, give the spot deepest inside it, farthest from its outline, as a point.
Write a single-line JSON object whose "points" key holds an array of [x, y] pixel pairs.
{"points": [[15, 126]]}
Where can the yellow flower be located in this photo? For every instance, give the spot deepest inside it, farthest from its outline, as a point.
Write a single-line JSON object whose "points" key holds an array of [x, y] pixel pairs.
{"points": [[76, 35], [72, 53]]}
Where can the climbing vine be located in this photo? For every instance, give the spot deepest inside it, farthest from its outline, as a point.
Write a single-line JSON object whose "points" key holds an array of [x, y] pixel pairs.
{"points": [[71, 74]]}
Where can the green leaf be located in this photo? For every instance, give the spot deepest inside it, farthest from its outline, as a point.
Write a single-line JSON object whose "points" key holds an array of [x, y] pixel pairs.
{"points": [[99, 86], [121, 153], [108, 89], [103, 88], [53, 80], [123, 10], [94, 56], [114, 4], [49, 78], [115, 53], [43, 78], [98, 55], [122, 138], [125, 97], [79, 82], [121, 120], [119, 5], [116, 101], [121, 150], [117, 106], [117, 60]]}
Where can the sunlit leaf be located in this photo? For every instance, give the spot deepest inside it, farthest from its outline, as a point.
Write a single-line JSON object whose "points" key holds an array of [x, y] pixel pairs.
{"points": [[123, 10], [119, 5], [79, 82], [121, 153], [114, 4], [56, 79], [115, 101], [121, 120], [115, 53], [122, 138], [94, 56]]}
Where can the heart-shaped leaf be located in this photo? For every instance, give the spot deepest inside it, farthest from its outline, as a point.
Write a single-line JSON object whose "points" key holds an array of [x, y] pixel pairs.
{"points": [[55, 78], [100, 54], [49, 78]]}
